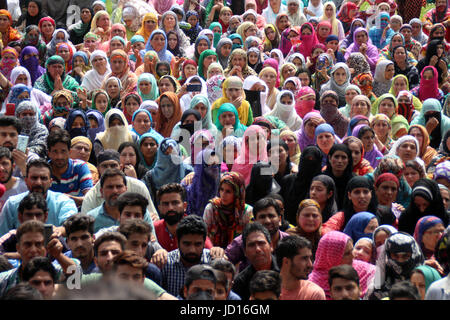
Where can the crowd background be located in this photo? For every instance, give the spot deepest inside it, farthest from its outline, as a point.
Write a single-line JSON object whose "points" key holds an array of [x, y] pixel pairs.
{"points": [[335, 114]]}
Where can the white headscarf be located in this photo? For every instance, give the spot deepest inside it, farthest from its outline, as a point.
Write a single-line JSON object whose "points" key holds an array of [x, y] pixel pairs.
{"points": [[248, 84], [400, 141], [113, 137], [318, 11], [286, 112], [92, 79]]}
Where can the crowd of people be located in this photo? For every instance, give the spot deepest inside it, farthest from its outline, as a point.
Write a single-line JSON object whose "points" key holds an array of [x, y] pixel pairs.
{"points": [[224, 149]]}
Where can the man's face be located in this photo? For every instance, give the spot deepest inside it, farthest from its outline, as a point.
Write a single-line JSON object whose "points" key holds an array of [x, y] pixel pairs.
{"points": [[262, 296], [301, 265], [269, 218], [9, 137], [106, 253], [112, 189], [131, 212], [34, 213], [343, 289], [171, 207], [138, 243], [43, 282], [38, 180], [6, 170], [108, 164], [31, 245], [200, 285], [191, 247], [258, 250], [130, 274], [81, 243], [59, 155]]}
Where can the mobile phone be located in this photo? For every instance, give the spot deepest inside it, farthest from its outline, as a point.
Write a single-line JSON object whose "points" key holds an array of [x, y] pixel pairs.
{"points": [[194, 87], [48, 231], [10, 109], [22, 143]]}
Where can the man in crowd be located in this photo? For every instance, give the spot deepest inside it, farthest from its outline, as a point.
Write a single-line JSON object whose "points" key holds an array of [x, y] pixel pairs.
{"points": [[13, 185], [265, 285], [344, 283], [41, 274], [200, 283]]}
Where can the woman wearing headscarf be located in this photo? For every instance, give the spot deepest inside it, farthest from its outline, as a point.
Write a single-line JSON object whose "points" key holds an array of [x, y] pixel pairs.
{"points": [[295, 186], [406, 148], [403, 66], [361, 43], [9, 60], [224, 217], [101, 25], [384, 73], [426, 153], [361, 166], [338, 83], [329, 103], [253, 149], [401, 83], [346, 15], [426, 200], [359, 108], [429, 85], [357, 64], [59, 36], [95, 117], [66, 52], [154, 43], [31, 127], [7, 31], [350, 93], [417, 31], [435, 57], [149, 24], [308, 39], [285, 110], [31, 63], [204, 62], [389, 269], [171, 23], [146, 80], [422, 277], [31, 16], [195, 29], [238, 65], [314, 9], [361, 225], [365, 82], [323, 190], [381, 34], [432, 118], [33, 38], [141, 123], [290, 137], [121, 70], [46, 27], [169, 113], [230, 114], [77, 131], [272, 38], [325, 138], [306, 135], [439, 14], [79, 29], [335, 248], [427, 233]]}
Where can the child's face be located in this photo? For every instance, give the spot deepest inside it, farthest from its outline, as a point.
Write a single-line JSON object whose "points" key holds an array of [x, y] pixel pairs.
{"points": [[252, 58]]}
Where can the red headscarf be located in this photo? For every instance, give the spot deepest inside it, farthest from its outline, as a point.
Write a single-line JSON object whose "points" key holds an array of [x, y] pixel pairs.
{"points": [[308, 41], [49, 19], [428, 88], [345, 10], [183, 75], [321, 24]]}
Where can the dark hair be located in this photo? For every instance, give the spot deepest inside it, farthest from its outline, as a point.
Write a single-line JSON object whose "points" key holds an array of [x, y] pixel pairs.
{"points": [[79, 222], [224, 266], [265, 203], [198, 272], [6, 153], [132, 226], [22, 291], [109, 236], [404, 289], [303, 69], [192, 224], [415, 166], [254, 227], [172, 188], [343, 271], [134, 96], [363, 130], [266, 280], [132, 199], [289, 247], [129, 258], [29, 226], [222, 279], [39, 264], [38, 163], [33, 199], [109, 173], [127, 144], [8, 121], [5, 265], [58, 136]]}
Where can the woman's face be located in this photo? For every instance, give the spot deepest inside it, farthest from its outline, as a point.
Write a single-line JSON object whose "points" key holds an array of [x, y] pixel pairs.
{"points": [[329, 11], [208, 60], [283, 23], [339, 161], [359, 107], [278, 154], [225, 16], [64, 53], [55, 70], [304, 79], [167, 107], [80, 151], [396, 41], [440, 50], [360, 198], [24, 95], [33, 35], [275, 56], [421, 203], [407, 151], [292, 144], [225, 50], [227, 119], [165, 85], [417, 133], [192, 20], [381, 129], [270, 79], [202, 46], [169, 22], [226, 194], [368, 139], [363, 251], [145, 86], [325, 141], [270, 34], [78, 122], [22, 79], [361, 38], [400, 85], [101, 102], [158, 42], [116, 44], [33, 9], [389, 72], [386, 193], [118, 32], [411, 175], [214, 72], [349, 95], [297, 62], [149, 26], [438, 33], [118, 65], [306, 31], [103, 22], [62, 102], [324, 31], [238, 60], [400, 55], [319, 192], [286, 99], [172, 41], [112, 88], [290, 86], [428, 74], [131, 105], [347, 258], [78, 62], [252, 58], [340, 76], [85, 15], [250, 18], [418, 280], [380, 238], [47, 28], [128, 156], [432, 236], [202, 109], [162, 69], [356, 152], [142, 123], [288, 72], [233, 93], [190, 70], [149, 147], [406, 32], [309, 219]]}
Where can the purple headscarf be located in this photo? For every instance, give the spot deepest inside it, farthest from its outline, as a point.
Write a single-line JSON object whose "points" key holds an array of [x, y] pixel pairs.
{"points": [[302, 137], [371, 53], [374, 156], [32, 63]]}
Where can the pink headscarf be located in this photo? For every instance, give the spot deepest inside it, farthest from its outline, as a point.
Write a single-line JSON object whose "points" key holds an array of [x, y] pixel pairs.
{"points": [[304, 106], [329, 253], [271, 62], [428, 88], [246, 159], [162, 6]]}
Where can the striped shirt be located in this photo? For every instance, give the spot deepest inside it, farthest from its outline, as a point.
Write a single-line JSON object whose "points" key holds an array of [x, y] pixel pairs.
{"points": [[76, 180]]}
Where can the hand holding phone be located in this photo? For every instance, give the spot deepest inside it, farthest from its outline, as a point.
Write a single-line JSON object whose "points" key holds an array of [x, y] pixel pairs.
{"points": [[22, 143], [48, 231], [194, 87]]}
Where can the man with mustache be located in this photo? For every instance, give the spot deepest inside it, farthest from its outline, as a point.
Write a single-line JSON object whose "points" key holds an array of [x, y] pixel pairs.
{"points": [[38, 179], [294, 258], [13, 185]]}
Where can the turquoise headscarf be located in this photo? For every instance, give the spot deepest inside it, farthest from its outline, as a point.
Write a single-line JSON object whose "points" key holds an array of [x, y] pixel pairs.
{"points": [[239, 128], [207, 120], [236, 46], [203, 55], [430, 274], [155, 136], [432, 104], [154, 91], [217, 35]]}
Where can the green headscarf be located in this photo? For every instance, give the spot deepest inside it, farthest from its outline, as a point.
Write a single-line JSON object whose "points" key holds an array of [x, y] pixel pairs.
{"points": [[203, 55], [239, 128], [154, 91], [217, 35], [397, 121], [94, 96], [430, 274], [207, 120]]}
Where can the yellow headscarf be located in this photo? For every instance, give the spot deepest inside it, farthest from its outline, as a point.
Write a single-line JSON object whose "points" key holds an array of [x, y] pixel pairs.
{"points": [[242, 28], [416, 101], [148, 17], [333, 20], [82, 139]]}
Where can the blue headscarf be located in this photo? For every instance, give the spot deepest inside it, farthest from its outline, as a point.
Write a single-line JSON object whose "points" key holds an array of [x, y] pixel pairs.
{"points": [[16, 91], [83, 55], [164, 54], [83, 131], [356, 225], [196, 54], [134, 116]]}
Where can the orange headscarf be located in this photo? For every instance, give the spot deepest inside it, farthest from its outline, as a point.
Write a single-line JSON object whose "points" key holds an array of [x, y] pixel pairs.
{"points": [[163, 125], [69, 62], [11, 34]]}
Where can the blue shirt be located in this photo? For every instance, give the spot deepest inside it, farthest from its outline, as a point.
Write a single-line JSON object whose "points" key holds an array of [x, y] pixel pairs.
{"points": [[60, 207], [75, 180], [90, 269]]}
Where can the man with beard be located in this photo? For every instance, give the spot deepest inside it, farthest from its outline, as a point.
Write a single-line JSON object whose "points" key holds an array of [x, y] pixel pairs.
{"points": [[294, 258], [191, 233], [13, 185], [172, 208], [71, 177], [344, 283], [10, 128], [38, 179]]}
